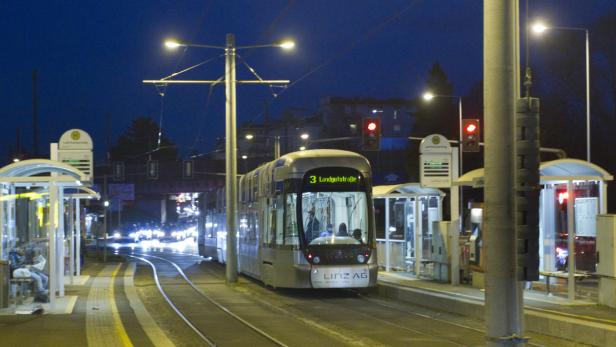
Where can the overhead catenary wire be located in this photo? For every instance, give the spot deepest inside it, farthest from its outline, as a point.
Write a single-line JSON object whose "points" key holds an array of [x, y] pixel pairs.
{"points": [[368, 33]]}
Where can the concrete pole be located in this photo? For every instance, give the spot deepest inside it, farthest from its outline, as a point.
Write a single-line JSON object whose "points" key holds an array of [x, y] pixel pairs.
{"points": [[231, 161], [502, 319]]}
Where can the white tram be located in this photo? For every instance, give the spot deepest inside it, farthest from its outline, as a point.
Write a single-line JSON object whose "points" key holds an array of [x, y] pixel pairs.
{"points": [[306, 221]]}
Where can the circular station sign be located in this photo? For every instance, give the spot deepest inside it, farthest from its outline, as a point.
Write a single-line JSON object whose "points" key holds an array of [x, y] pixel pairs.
{"points": [[75, 139]]}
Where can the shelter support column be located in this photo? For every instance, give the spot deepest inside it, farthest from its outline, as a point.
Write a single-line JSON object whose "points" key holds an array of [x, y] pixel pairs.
{"points": [[53, 220], [418, 236], [71, 243], [570, 241], [78, 238], [387, 241], [456, 222]]}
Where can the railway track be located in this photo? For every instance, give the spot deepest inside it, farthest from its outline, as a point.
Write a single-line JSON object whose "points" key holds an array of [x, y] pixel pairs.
{"points": [[186, 300]]}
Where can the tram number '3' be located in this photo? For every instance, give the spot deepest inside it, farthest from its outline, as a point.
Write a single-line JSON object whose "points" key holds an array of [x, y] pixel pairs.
{"points": [[313, 179]]}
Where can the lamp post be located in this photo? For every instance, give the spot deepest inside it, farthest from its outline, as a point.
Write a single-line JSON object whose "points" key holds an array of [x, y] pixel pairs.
{"points": [[230, 132], [540, 28]]}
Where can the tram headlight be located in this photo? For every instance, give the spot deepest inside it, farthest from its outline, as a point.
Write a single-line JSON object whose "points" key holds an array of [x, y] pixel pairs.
{"points": [[360, 258], [316, 260]]}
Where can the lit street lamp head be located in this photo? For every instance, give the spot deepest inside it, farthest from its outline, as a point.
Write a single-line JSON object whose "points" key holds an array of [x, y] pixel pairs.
{"points": [[249, 136], [428, 96], [539, 28], [304, 136], [172, 44], [286, 44]]}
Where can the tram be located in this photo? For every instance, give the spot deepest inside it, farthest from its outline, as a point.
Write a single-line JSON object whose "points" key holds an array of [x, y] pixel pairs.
{"points": [[306, 220]]}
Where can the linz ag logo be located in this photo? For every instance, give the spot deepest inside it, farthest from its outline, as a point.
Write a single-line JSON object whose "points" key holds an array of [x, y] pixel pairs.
{"points": [[345, 276]]}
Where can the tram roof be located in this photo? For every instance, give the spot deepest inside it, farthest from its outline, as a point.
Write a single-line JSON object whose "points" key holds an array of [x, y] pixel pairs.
{"points": [[404, 189], [554, 170], [301, 161]]}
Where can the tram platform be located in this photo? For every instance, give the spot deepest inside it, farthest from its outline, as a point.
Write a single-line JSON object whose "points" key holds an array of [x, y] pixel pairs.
{"points": [[102, 309], [582, 321]]}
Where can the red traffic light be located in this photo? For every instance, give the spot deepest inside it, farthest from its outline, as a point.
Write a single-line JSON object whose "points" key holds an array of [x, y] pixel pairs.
{"points": [[371, 133], [472, 135], [470, 128]]}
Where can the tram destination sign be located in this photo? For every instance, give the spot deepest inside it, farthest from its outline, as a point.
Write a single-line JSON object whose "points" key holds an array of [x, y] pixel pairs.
{"points": [[332, 178]]}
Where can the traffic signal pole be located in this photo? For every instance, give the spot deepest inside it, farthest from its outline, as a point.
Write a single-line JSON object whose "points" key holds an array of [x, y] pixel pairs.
{"points": [[503, 321]]}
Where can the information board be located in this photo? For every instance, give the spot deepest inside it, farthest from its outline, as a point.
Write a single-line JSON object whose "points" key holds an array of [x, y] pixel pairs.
{"points": [[585, 212]]}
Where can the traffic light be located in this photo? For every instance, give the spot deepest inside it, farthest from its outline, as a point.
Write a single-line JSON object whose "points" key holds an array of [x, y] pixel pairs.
{"points": [[471, 132], [117, 173], [188, 169], [371, 134], [151, 170]]}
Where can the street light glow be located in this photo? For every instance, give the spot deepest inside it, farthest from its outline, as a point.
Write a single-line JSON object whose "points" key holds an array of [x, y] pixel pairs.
{"points": [[428, 96], [304, 136], [539, 28], [244, 156], [287, 44], [249, 136], [106, 203], [172, 44], [302, 148]]}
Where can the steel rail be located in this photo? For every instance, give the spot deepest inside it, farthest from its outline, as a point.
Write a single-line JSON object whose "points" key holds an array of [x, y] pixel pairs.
{"points": [[172, 305], [216, 303], [376, 302]]}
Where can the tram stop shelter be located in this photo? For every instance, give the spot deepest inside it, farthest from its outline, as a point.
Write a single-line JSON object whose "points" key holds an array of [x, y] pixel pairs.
{"points": [[403, 216], [39, 203], [563, 181]]}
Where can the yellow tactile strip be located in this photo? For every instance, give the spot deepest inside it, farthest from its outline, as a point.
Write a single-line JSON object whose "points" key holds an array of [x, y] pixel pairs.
{"points": [[104, 327]]}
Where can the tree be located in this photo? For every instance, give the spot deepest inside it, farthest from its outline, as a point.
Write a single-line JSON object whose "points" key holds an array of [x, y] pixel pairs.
{"points": [[140, 141], [440, 115]]}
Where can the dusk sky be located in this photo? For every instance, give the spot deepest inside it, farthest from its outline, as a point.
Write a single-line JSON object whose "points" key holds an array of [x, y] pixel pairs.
{"points": [[92, 55]]}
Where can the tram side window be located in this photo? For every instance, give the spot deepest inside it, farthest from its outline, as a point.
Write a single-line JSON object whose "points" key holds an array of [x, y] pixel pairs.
{"points": [[290, 234], [279, 225]]}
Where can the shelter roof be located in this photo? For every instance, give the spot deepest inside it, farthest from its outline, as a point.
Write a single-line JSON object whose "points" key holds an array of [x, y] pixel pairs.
{"points": [[554, 170], [405, 189]]}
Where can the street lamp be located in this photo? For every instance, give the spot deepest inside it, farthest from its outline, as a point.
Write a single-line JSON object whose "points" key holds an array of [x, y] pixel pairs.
{"points": [[230, 132], [539, 28]]}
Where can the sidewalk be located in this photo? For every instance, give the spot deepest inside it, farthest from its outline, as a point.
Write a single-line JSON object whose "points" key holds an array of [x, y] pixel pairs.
{"points": [[581, 321]]}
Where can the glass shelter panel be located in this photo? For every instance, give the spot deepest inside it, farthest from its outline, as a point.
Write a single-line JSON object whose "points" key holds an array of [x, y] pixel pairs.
{"points": [[554, 227]]}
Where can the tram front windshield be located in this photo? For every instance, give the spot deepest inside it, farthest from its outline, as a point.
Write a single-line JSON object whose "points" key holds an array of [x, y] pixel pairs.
{"points": [[334, 213]]}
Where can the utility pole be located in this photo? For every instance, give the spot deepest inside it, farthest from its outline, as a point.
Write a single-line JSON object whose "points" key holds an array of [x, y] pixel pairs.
{"points": [[231, 137], [231, 160], [35, 115], [503, 321]]}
